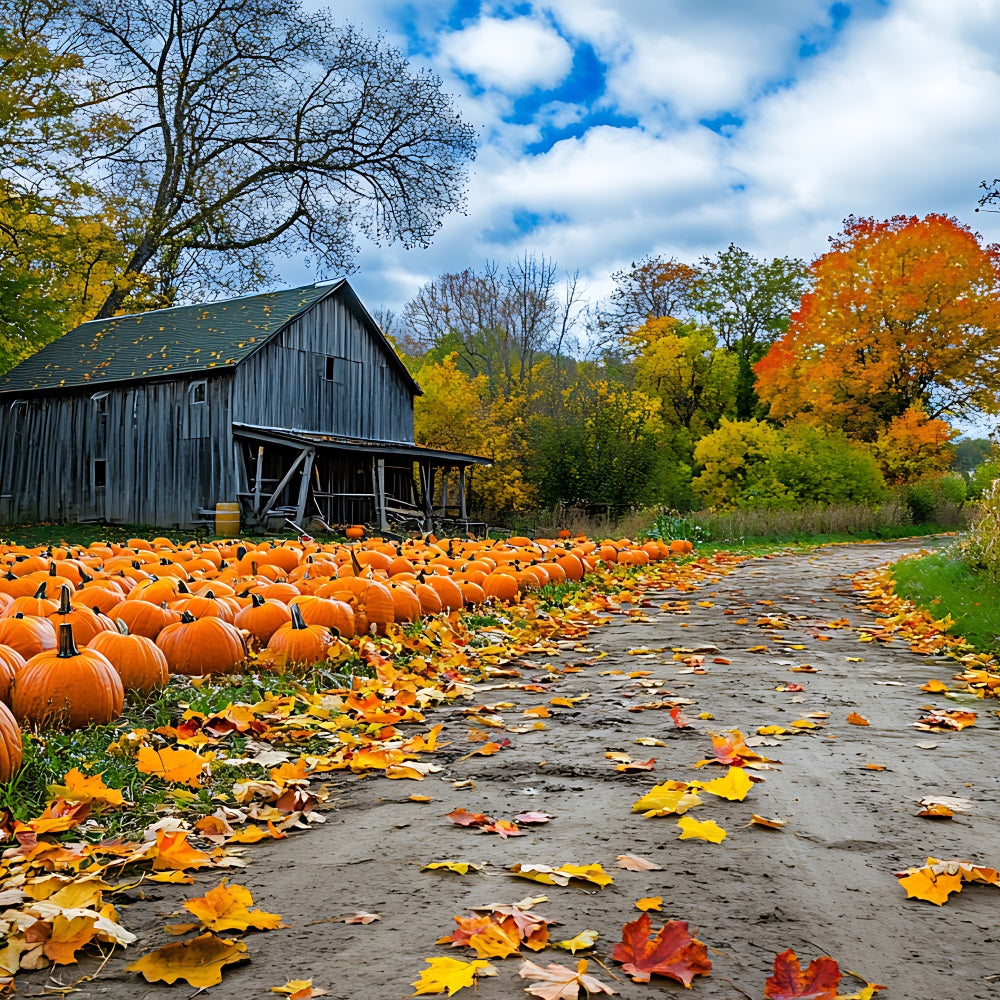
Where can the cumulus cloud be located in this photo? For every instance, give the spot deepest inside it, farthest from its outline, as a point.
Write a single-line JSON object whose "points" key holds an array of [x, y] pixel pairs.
{"points": [[515, 55], [877, 114]]}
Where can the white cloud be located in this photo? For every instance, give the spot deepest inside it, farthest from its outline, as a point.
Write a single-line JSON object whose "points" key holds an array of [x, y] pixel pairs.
{"points": [[515, 55]]}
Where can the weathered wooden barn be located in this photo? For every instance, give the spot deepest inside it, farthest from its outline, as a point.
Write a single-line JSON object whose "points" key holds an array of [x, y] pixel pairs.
{"points": [[292, 403]]}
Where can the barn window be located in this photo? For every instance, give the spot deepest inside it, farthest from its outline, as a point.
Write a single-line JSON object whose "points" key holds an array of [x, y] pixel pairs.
{"points": [[331, 367], [198, 392], [100, 400], [99, 473]]}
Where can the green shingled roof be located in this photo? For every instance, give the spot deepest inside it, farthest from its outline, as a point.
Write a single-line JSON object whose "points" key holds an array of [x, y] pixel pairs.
{"points": [[165, 342]]}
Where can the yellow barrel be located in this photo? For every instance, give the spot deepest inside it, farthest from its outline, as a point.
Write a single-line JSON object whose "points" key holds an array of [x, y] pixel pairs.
{"points": [[227, 519]]}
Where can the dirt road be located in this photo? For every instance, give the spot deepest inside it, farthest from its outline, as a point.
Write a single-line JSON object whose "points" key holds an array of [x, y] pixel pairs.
{"points": [[823, 884]]}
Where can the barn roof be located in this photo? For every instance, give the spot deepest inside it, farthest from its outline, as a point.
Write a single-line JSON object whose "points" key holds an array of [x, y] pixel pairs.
{"points": [[173, 342]]}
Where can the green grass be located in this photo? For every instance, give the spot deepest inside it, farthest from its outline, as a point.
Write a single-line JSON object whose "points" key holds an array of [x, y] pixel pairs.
{"points": [[50, 755], [943, 584]]}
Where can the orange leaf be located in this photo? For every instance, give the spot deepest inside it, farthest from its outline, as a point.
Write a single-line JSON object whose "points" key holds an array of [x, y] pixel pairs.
{"points": [[174, 853], [857, 720], [176, 766], [818, 982]]}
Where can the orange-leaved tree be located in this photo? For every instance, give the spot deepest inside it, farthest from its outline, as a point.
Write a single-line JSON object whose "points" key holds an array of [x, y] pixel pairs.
{"points": [[902, 313]]}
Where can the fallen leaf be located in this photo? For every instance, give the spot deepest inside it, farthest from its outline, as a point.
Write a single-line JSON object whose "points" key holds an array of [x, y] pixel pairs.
{"points": [[582, 941], [668, 799], [556, 982], [857, 720], [199, 962], [692, 829], [227, 908], [459, 867], [649, 903], [532, 817], [946, 721], [875, 767], [771, 824], [632, 863], [299, 989], [936, 880], [671, 953], [818, 982], [562, 875], [178, 766], [449, 975], [953, 803], [734, 786]]}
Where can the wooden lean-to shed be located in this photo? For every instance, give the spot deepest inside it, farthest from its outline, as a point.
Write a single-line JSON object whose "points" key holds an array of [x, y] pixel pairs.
{"points": [[292, 403]]}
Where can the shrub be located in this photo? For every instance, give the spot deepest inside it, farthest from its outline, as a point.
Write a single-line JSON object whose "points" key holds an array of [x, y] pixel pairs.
{"points": [[750, 465], [935, 498]]}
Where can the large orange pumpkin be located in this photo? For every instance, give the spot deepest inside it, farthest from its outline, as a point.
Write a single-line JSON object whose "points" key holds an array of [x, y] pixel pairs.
{"points": [[198, 646], [297, 642], [67, 687], [139, 661]]}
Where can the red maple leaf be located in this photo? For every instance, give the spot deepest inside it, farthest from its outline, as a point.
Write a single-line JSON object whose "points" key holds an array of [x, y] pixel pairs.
{"points": [[789, 982], [672, 953]]}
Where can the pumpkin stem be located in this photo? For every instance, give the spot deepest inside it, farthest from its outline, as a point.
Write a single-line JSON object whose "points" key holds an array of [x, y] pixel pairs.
{"points": [[85, 577], [298, 622], [257, 600], [121, 626], [52, 570], [241, 552], [209, 593], [67, 647], [182, 587], [40, 592], [64, 606], [187, 617]]}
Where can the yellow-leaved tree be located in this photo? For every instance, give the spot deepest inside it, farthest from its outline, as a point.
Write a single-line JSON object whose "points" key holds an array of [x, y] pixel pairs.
{"points": [[457, 413]]}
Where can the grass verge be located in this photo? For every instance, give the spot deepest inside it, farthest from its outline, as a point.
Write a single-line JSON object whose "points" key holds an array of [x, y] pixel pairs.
{"points": [[944, 584]]}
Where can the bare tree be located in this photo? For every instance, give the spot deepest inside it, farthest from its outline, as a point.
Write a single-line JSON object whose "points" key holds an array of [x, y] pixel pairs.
{"points": [[498, 321], [651, 287], [251, 128]]}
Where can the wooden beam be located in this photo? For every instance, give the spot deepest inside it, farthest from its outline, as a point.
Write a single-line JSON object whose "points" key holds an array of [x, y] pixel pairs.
{"points": [[257, 480], [461, 493], [300, 510], [300, 458], [380, 493]]}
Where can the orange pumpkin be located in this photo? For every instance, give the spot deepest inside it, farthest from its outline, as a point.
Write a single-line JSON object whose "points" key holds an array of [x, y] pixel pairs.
{"points": [[10, 745], [67, 687], [199, 646], [140, 663], [299, 643]]}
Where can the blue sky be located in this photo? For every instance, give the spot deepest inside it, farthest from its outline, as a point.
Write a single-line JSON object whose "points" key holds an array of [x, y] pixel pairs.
{"points": [[611, 129]]}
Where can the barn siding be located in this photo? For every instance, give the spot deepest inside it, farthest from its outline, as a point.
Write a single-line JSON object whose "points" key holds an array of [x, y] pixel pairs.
{"points": [[284, 384], [164, 455]]}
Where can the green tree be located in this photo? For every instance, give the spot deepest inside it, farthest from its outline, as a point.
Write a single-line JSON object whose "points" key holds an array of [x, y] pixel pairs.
{"points": [[747, 302], [694, 379]]}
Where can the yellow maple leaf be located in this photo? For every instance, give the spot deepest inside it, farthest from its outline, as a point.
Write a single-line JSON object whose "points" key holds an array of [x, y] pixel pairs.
{"points": [[459, 867], [176, 766], [692, 829], [299, 989], [649, 903], [734, 785], [449, 975], [585, 939], [668, 799], [199, 962], [562, 875], [227, 908], [923, 884]]}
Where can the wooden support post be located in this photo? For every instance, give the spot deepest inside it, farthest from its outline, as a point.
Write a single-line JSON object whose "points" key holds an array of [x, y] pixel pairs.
{"points": [[300, 510], [444, 491], [286, 480], [427, 488], [383, 524], [461, 493], [257, 481]]}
